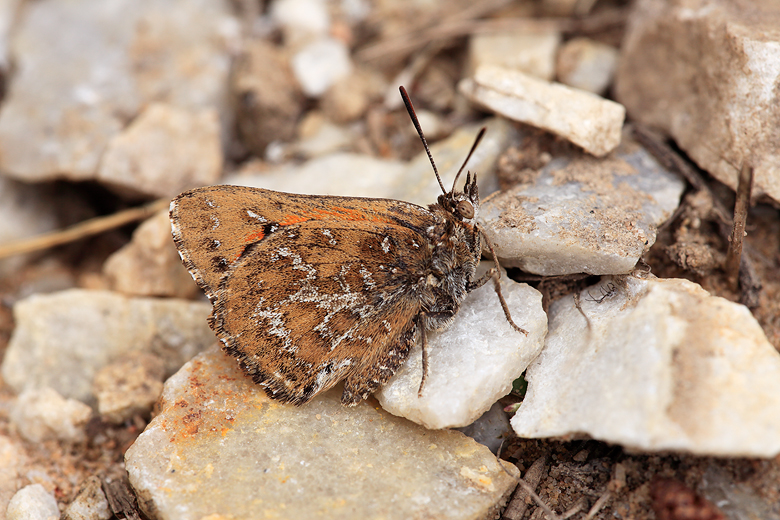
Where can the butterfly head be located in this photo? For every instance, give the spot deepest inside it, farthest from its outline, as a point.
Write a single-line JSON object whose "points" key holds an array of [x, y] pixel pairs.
{"points": [[464, 205]]}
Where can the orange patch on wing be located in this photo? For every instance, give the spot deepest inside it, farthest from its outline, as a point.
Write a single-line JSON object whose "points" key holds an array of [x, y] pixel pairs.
{"points": [[293, 219], [254, 237]]}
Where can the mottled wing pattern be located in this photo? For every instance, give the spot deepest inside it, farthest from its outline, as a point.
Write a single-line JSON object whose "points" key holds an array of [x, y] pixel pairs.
{"points": [[213, 226], [320, 301]]}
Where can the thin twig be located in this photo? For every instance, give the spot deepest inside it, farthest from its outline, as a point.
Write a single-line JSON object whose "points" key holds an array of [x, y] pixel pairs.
{"points": [[523, 484], [81, 230], [741, 207], [601, 502], [533, 475]]}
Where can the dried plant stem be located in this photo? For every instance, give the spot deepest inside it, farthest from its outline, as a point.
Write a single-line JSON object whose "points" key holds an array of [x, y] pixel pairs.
{"points": [[741, 207], [83, 229]]}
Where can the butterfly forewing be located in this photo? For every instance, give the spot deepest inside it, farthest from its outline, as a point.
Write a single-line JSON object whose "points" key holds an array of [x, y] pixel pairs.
{"points": [[213, 226]]}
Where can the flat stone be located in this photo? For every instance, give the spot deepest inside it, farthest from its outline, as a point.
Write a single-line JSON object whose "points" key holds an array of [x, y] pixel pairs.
{"points": [[32, 502], [43, 414], [706, 72], [473, 363], [655, 365], [587, 120], [85, 68], [164, 151], [128, 386], [320, 64], [586, 64], [583, 215], [62, 339], [531, 51], [150, 265], [90, 503], [219, 439], [267, 94]]}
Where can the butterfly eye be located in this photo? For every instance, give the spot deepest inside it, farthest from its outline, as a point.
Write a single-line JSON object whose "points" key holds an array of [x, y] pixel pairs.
{"points": [[465, 209]]}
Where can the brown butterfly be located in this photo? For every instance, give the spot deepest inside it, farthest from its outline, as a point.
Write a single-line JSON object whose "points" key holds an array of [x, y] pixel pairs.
{"points": [[312, 290]]}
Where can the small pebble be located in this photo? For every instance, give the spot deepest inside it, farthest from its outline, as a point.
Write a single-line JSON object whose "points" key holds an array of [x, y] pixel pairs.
{"points": [[42, 413], [32, 503]]}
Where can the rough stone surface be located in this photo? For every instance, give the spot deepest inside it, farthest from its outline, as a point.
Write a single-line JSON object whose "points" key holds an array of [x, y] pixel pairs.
{"points": [[12, 462], [86, 67], [62, 339], [471, 364], [267, 95], [656, 364], [587, 65], [219, 439], [32, 502], [583, 215], [41, 414], [587, 120], [150, 265], [165, 151], [531, 51], [89, 504], [129, 386], [320, 64], [707, 72]]}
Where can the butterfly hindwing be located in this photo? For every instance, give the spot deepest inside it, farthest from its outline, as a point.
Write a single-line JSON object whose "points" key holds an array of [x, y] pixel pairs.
{"points": [[320, 301], [213, 226]]}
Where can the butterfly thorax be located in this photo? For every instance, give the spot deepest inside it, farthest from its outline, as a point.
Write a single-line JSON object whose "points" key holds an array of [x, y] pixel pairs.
{"points": [[456, 247]]}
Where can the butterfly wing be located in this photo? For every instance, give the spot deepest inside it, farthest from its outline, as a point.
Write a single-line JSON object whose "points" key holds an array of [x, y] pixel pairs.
{"points": [[212, 226], [320, 301]]}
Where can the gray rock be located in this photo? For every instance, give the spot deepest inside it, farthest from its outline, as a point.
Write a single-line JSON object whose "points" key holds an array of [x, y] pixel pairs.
{"points": [[473, 363], [219, 439], [164, 151], [320, 64], [267, 95], [583, 215], [61, 340], [418, 183], [90, 504], [531, 51], [706, 72], [129, 386], [656, 365], [345, 174], [150, 265], [85, 68], [587, 120], [42, 414], [32, 502], [587, 65]]}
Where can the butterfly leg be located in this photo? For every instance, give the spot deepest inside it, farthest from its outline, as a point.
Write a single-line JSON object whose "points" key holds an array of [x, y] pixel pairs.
{"points": [[495, 273]]}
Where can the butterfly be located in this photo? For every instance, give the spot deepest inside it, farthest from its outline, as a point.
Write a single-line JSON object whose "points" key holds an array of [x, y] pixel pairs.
{"points": [[310, 290]]}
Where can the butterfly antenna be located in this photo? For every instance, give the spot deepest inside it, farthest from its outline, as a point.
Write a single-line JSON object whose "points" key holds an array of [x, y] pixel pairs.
{"points": [[413, 115], [471, 152]]}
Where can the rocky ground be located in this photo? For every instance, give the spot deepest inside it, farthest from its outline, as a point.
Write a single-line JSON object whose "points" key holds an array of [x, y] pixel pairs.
{"points": [[616, 137]]}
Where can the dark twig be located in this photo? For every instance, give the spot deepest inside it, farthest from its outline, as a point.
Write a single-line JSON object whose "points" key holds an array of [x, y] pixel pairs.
{"points": [[741, 207], [533, 475], [121, 499]]}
